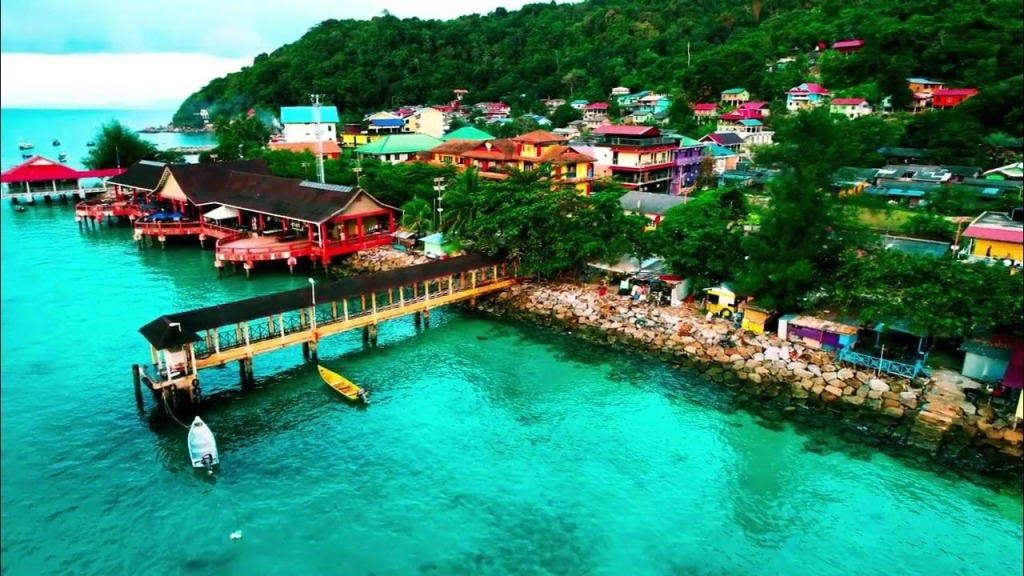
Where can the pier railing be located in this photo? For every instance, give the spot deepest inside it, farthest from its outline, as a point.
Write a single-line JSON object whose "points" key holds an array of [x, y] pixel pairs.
{"points": [[217, 345], [884, 365]]}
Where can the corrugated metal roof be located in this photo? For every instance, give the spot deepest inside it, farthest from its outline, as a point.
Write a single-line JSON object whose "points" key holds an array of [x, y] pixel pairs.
{"points": [[305, 114], [400, 144]]}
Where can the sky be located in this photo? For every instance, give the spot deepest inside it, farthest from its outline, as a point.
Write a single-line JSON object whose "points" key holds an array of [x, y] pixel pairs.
{"points": [[153, 54]]}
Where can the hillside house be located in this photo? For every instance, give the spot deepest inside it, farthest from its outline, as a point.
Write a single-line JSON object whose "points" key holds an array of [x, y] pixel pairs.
{"points": [[642, 158], [595, 113], [299, 123], [997, 235], [652, 104], [848, 46], [735, 96], [806, 95], [924, 86], [687, 161], [731, 140], [579, 104], [382, 123], [759, 108], [704, 112], [619, 91], [330, 149], [568, 165], [397, 148], [725, 159], [950, 97], [630, 100], [1013, 172], [732, 119], [490, 156], [850, 107], [429, 121], [467, 133]]}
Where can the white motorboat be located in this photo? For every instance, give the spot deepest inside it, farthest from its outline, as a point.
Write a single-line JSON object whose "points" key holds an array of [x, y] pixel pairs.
{"points": [[202, 448]]}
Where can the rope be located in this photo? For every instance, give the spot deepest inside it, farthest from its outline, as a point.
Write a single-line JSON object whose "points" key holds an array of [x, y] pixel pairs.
{"points": [[169, 411]]}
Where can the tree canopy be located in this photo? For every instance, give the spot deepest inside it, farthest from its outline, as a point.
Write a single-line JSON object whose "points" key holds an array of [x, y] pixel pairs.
{"points": [[702, 239], [695, 47], [119, 146]]}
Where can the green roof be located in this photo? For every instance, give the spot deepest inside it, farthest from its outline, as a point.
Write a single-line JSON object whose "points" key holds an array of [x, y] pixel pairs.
{"points": [[716, 150], [686, 141], [734, 91], [467, 133], [400, 144]]}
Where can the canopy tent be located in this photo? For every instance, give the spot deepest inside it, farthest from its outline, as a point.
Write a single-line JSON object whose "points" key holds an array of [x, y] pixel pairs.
{"points": [[632, 265], [221, 213]]}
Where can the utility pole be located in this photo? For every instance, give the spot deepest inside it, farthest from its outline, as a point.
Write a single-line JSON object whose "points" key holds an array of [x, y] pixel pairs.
{"points": [[315, 99]]}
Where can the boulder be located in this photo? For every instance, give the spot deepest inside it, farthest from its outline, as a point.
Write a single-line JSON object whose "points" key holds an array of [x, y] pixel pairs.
{"points": [[968, 407], [845, 374], [879, 385], [1013, 436], [828, 397], [892, 411], [833, 390], [830, 376], [854, 400]]}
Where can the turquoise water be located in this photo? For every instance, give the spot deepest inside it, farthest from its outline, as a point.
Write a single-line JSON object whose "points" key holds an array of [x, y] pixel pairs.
{"points": [[75, 128], [491, 448]]}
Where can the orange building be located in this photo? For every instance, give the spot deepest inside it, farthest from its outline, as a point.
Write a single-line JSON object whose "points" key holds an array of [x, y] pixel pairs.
{"points": [[568, 165]]}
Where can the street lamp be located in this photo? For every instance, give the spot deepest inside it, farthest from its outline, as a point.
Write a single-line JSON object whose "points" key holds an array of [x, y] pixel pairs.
{"points": [[439, 188], [312, 284]]}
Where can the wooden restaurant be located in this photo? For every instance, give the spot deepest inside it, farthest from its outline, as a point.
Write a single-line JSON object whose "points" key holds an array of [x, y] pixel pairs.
{"points": [[39, 176], [254, 216]]}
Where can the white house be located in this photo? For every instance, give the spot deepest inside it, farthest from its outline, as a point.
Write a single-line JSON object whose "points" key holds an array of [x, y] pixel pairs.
{"points": [[428, 121], [300, 123], [850, 107]]}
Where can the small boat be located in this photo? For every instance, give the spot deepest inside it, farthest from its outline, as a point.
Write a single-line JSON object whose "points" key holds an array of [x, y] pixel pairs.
{"points": [[18, 208], [63, 156], [56, 142], [26, 155], [22, 145], [90, 143], [343, 385], [202, 448]]}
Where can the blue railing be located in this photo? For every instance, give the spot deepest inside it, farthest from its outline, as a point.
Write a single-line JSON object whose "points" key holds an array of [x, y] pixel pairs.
{"points": [[884, 365]]}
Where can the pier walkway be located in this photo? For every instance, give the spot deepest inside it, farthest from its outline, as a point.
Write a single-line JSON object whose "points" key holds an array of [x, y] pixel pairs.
{"points": [[183, 343]]}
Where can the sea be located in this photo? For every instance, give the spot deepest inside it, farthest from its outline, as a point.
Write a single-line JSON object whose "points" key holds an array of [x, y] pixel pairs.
{"points": [[491, 448]]}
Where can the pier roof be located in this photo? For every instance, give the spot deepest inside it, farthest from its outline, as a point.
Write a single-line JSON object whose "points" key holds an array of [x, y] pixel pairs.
{"points": [[143, 175], [40, 169], [204, 183], [302, 200], [175, 330]]}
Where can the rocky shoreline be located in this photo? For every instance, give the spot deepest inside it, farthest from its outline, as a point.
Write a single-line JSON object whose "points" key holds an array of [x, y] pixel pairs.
{"points": [[931, 417]]}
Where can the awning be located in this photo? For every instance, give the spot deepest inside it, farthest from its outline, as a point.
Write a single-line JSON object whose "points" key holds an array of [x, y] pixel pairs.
{"points": [[222, 213], [404, 234]]}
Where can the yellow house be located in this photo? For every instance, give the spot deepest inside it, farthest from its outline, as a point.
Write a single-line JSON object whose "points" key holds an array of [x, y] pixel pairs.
{"points": [[996, 235], [428, 121], [569, 166], [356, 139], [757, 320]]}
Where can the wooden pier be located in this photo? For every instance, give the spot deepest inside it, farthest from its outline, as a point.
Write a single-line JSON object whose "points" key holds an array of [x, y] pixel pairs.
{"points": [[184, 343]]}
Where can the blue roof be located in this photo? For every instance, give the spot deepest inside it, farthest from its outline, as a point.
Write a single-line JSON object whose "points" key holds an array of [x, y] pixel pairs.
{"points": [[716, 150], [304, 114], [876, 191], [751, 123], [580, 102], [922, 81], [387, 122], [435, 238]]}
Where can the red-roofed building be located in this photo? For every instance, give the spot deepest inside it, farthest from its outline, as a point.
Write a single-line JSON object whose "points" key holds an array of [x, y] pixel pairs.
{"points": [[848, 46], [806, 95], [39, 176], [996, 235], [850, 107], [950, 97], [641, 157], [568, 165], [759, 107], [595, 113], [330, 148], [705, 111]]}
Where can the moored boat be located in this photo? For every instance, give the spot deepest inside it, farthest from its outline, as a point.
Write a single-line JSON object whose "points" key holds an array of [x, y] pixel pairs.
{"points": [[202, 448], [56, 142], [22, 145], [63, 156], [90, 143], [343, 385]]}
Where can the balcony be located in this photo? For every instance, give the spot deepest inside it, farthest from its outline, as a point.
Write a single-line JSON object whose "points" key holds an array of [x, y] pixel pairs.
{"points": [[638, 142]]}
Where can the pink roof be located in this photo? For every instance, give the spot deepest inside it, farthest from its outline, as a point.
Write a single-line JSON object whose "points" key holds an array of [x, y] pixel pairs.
{"points": [[742, 114], [596, 106], [955, 92], [39, 169], [808, 88], [848, 101], [752, 105], [705, 107], [619, 130], [983, 232], [497, 106], [848, 44]]}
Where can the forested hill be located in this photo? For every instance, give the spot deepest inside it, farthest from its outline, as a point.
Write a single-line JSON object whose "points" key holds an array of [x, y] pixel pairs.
{"points": [[693, 47]]}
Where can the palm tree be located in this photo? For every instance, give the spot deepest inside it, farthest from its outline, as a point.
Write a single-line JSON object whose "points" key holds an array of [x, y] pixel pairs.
{"points": [[417, 215], [460, 200]]}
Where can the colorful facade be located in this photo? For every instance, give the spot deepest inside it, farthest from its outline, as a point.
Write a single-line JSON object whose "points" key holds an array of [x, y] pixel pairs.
{"points": [[568, 165], [642, 158], [300, 123], [996, 235], [948, 98], [850, 107], [806, 95]]}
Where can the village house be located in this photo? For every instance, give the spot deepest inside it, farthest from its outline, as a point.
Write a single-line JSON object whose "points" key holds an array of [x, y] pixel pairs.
{"points": [[642, 158], [997, 235], [752, 132], [579, 104], [652, 104], [467, 133], [806, 95], [568, 165], [725, 159], [330, 148], [1013, 172], [704, 112], [595, 113], [730, 140], [397, 148], [924, 86], [353, 135], [619, 91], [759, 108], [687, 167], [429, 121], [629, 101], [848, 46], [490, 156], [850, 107], [735, 96], [653, 206], [382, 123], [950, 97], [299, 123], [497, 111]]}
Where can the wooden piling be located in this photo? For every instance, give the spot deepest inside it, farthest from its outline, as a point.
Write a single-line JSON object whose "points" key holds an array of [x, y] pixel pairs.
{"points": [[312, 351], [305, 351], [137, 381], [417, 318], [366, 334], [373, 334]]}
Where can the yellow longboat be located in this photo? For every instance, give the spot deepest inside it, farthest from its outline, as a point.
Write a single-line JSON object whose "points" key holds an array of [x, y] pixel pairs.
{"points": [[343, 385]]}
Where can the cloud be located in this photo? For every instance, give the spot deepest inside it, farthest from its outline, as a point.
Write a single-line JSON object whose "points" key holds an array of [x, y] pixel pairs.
{"points": [[107, 80], [228, 28]]}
